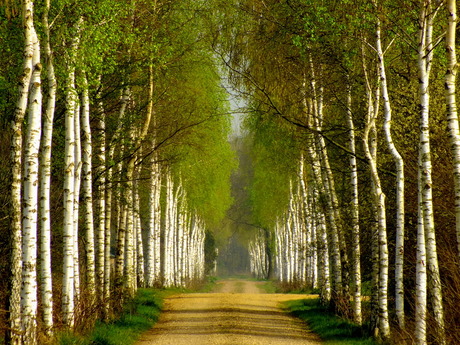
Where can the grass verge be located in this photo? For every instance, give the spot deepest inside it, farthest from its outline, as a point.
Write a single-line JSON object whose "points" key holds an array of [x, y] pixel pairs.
{"points": [[138, 316], [268, 287], [332, 329]]}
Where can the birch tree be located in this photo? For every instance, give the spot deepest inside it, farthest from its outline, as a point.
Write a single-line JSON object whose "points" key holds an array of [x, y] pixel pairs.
{"points": [[356, 247], [76, 210], [45, 183], [424, 63], [112, 191], [421, 272], [68, 298], [399, 261], [379, 197], [324, 180], [153, 243], [153, 271], [168, 236], [103, 206], [131, 195], [88, 191], [29, 291], [451, 102], [16, 159], [138, 234]]}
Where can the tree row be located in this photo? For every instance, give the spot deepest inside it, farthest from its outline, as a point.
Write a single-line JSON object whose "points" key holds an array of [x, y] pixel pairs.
{"points": [[119, 157], [353, 129]]}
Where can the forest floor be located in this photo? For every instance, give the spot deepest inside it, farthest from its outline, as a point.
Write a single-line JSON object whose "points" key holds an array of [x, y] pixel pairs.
{"points": [[237, 312]]}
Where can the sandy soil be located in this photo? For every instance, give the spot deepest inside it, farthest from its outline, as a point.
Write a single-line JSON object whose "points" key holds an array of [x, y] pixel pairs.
{"points": [[238, 313]]}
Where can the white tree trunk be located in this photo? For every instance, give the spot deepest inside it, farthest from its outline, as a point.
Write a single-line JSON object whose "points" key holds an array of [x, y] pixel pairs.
{"points": [[29, 302], [153, 242], [181, 236], [87, 178], [122, 212], [321, 160], [354, 206], [168, 236], [323, 251], [399, 259], [131, 281], [46, 286], [121, 248], [258, 261], [77, 180], [425, 56], [68, 282], [193, 242], [103, 208], [451, 103], [103, 257], [306, 225], [130, 275], [130, 250], [138, 233], [154, 235], [103, 215], [421, 274], [200, 251], [379, 199], [313, 247], [278, 242], [325, 247], [69, 192], [16, 160]]}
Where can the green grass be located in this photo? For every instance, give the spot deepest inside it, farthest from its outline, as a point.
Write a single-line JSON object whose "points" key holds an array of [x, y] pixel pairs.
{"points": [[209, 285], [333, 330], [138, 316], [268, 287]]}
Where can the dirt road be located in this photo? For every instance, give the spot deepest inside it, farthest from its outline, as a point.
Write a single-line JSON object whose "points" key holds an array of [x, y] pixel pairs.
{"points": [[236, 314]]}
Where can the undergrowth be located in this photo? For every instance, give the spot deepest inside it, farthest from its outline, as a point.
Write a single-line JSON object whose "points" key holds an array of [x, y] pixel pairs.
{"points": [[332, 329], [139, 315]]}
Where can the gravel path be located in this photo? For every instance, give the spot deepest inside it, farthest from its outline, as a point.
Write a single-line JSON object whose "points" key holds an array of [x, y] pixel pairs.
{"points": [[236, 314]]}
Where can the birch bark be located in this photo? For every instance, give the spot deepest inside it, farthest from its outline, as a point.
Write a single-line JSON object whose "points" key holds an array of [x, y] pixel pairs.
{"points": [[399, 259], [355, 232], [112, 189], [130, 272], [69, 191], [46, 286], [169, 231], [137, 142], [323, 250], [87, 178], [180, 254], [100, 231], [16, 160], [326, 247], [379, 197], [121, 248], [328, 186], [421, 273], [76, 211], [451, 103], [153, 243], [425, 56], [104, 190], [138, 233], [313, 248], [68, 282], [29, 302]]}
